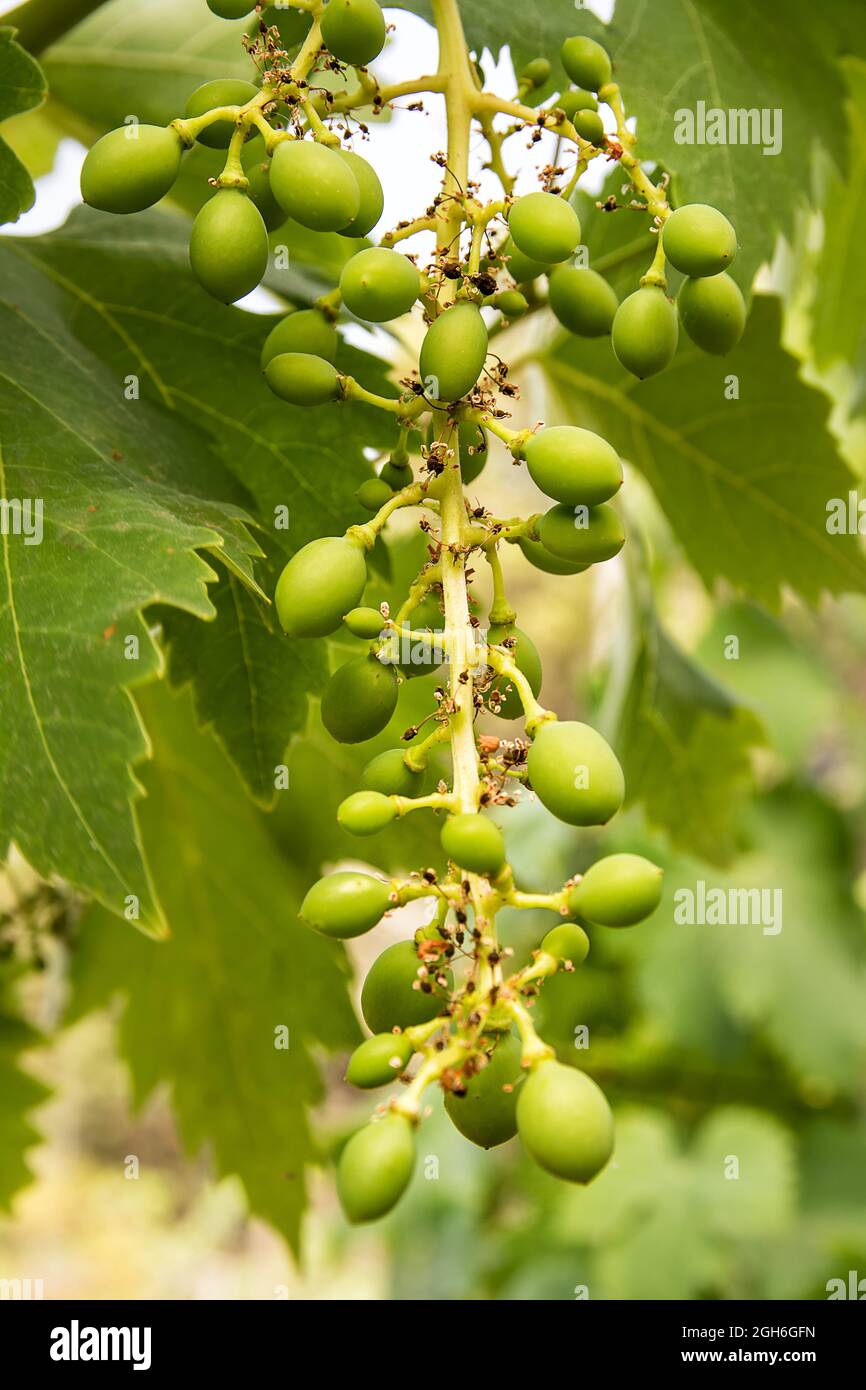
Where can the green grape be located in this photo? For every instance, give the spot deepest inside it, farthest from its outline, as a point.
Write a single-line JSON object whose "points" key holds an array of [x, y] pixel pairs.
{"points": [[354, 30], [512, 303], [228, 248], [586, 62], [359, 700], [364, 622], [366, 813], [699, 240], [372, 197], [645, 332], [574, 465], [589, 126], [389, 774], [713, 312], [258, 172], [544, 227], [388, 997], [130, 169], [526, 658], [536, 72], [564, 1122], [379, 285], [231, 9], [373, 494], [321, 583], [543, 559], [582, 300], [520, 267], [315, 185], [294, 25], [416, 658], [379, 1060], [474, 843], [567, 942], [474, 450], [346, 904], [575, 773], [617, 891], [225, 91], [453, 352], [375, 1167], [396, 475], [487, 1114], [305, 331], [583, 535], [576, 99], [302, 379]]}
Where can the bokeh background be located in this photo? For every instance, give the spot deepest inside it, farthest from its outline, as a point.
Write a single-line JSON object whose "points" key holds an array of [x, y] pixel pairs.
{"points": [[734, 1058]]}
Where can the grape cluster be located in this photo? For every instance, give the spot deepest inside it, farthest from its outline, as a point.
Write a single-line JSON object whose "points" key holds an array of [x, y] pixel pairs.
{"points": [[445, 997]]}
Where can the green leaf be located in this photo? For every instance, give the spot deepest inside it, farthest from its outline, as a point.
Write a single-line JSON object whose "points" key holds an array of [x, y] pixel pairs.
{"points": [[126, 496], [839, 304], [238, 967], [685, 747], [744, 482], [19, 1095], [22, 87]]}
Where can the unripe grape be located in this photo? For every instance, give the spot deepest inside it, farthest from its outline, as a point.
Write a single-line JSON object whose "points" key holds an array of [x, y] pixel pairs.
{"points": [[396, 475], [388, 997], [303, 330], [315, 185], [417, 658], [713, 312], [345, 904], [364, 622], [258, 172], [565, 1122], [474, 450], [366, 813], [372, 195], [293, 25], [321, 582], [520, 267], [474, 843], [302, 379], [512, 303], [379, 285], [586, 62], [583, 535], [225, 91], [359, 700], [699, 240], [373, 494], [130, 169], [577, 99], [589, 126], [536, 72], [574, 465], [389, 774], [379, 1060], [453, 352], [567, 942], [582, 300], [354, 30], [231, 9], [543, 559], [617, 891], [645, 332], [544, 227], [228, 247], [486, 1114], [575, 773], [375, 1166], [525, 656]]}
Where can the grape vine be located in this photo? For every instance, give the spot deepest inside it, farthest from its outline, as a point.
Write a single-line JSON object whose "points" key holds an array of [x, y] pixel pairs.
{"points": [[287, 143]]}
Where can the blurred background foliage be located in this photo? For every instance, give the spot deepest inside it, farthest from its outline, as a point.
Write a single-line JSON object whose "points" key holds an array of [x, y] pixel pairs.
{"points": [[153, 1142]]}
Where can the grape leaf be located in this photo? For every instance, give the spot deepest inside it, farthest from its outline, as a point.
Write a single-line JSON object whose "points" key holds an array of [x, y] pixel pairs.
{"points": [[238, 967], [19, 1095], [125, 493], [744, 482], [22, 88]]}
